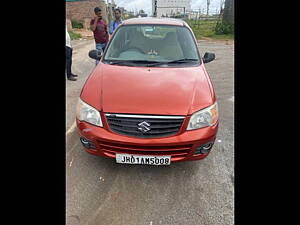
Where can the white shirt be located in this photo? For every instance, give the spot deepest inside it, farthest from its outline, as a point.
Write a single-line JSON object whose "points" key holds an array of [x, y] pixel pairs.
{"points": [[68, 39]]}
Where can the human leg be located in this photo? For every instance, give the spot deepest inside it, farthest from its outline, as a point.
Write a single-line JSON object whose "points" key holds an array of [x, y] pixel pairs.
{"points": [[69, 51], [100, 47]]}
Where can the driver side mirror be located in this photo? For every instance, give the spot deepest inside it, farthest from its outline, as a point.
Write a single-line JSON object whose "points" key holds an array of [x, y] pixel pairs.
{"points": [[208, 57], [95, 54]]}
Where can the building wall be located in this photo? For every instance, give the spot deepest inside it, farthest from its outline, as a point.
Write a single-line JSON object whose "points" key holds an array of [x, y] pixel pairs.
{"points": [[177, 6], [84, 9]]}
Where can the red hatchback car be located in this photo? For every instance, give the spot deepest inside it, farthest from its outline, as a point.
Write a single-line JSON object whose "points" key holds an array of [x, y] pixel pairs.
{"points": [[150, 99]]}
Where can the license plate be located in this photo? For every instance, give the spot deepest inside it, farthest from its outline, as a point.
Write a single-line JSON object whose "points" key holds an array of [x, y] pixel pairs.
{"points": [[143, 159]]}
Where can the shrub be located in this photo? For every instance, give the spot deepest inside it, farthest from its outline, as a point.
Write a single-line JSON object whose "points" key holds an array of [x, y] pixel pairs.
{"points": [[74, 35], [224, 28], [77, 24]]}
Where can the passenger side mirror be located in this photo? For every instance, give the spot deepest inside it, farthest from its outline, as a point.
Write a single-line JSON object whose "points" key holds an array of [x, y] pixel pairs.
{"points": [[208, 57], [95, 54]]}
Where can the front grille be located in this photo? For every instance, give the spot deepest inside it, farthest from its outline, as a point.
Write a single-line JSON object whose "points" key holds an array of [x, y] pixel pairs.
{"points": [[173, 150], [159, 126]]}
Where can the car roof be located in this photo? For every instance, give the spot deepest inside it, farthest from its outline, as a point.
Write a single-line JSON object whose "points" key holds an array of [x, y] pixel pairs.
{"points": [[151, 20]]}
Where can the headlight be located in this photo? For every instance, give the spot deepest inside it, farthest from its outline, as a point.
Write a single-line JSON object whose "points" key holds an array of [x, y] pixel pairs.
{"points": [[89, 114], [204, 118]]}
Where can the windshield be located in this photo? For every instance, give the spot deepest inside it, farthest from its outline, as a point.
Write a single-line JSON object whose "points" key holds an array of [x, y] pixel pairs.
{"points": [[158, 44]]}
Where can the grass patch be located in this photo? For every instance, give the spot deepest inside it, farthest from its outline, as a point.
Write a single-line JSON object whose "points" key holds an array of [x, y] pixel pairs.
{"points": [[206, 28], [74, 36], [77, 24]]}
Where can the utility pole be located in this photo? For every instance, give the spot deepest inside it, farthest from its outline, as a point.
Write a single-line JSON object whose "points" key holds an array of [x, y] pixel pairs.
{"points": [[155, 9], [207, 9], [109, 12], [198, 21]]}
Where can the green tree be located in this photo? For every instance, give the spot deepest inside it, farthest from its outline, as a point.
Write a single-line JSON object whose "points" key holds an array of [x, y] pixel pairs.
{"points": [[226, 25]]}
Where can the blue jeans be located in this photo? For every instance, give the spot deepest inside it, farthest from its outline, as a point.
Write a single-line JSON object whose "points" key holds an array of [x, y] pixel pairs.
{"points": [[100, 47]]}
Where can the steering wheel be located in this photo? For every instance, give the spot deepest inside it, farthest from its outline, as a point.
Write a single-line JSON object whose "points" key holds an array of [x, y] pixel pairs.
{"points": [[136, 48]]}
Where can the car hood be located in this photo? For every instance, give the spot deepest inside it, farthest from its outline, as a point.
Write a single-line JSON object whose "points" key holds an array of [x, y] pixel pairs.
{"points": [[145, 90]]}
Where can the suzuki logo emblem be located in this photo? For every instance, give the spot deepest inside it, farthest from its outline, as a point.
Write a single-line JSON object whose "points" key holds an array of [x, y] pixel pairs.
{"points": [[144, 126]]}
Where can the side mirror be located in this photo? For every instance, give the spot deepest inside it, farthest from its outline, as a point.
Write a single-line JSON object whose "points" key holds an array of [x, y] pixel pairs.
{"points": [[95, 54], [208, 57]]}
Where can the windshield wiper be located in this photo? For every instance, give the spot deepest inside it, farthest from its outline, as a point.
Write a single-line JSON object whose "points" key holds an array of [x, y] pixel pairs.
{"points": [[119, 62], [148, 62], [131, 62], [183, 60], [175, 61]]}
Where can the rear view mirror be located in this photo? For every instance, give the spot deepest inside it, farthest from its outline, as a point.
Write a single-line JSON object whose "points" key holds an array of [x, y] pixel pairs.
{"points": [[95, 54], [208, 57]]}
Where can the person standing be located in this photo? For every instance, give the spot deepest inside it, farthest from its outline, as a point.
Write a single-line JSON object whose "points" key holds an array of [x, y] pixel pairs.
{"points": [[114, 24], [99, 28], [69, 51]]}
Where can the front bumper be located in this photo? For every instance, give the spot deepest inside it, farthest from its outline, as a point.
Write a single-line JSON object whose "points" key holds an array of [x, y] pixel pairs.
{"points": [[181, 147]]}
